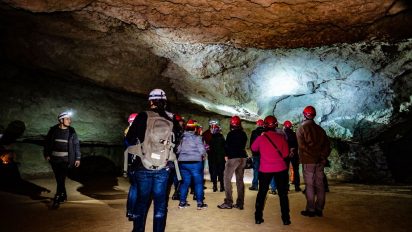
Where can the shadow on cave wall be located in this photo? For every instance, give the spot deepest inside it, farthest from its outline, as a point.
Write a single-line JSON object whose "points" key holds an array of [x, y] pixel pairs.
{"points": [[98, 176]]}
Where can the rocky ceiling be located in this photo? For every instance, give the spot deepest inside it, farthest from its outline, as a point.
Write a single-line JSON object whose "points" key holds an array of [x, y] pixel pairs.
{"points": [[351, 59]]}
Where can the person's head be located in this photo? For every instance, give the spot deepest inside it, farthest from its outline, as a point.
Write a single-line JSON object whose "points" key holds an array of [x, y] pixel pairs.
{"points": [[214, 129], [65, 119], [270, 122], [213, 122], [191, 125], [131, 118], [179, 119], [287, 124], [309, 112], [260, 123], [235, 122], [157, 99]]}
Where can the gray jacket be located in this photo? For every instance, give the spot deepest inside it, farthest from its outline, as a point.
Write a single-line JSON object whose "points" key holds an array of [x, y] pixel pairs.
{"points": [[191, 147]]}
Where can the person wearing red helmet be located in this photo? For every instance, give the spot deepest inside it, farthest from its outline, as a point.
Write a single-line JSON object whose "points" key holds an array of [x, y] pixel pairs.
{"points": [[236, 156], [255, 155], [293, 153], [273, 149], [191, 155], [314, 149]]}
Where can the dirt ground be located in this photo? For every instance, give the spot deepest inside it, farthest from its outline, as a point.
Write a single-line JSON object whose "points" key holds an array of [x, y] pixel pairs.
{"points": [[100, 206]]}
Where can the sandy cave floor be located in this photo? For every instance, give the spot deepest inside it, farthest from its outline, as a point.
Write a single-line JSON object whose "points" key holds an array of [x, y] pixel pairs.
{"points": [[100, 206]]}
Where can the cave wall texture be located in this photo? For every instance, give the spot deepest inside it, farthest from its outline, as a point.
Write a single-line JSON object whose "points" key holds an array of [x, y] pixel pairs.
{"points": [[350, 59]]}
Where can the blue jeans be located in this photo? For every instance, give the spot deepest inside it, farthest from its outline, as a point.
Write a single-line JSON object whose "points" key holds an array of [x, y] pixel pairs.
{"points": [[191, 171], [273, 184], [151, 184], [256, 164], [132, 196]]}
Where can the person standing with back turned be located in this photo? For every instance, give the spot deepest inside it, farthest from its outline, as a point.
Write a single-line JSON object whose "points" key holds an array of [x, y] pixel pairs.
{"points": [[236, 155], [152, 131], [314, 149]]}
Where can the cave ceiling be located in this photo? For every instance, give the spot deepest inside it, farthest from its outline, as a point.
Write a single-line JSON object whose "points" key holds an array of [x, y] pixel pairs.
{"points": [[348, 58]]}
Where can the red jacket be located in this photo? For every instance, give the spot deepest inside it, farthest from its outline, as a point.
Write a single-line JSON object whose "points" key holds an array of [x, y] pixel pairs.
{"points": [[270, 160]]}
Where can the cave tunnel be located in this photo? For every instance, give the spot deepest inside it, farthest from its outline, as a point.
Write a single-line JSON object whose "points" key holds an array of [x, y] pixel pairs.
{"points": [[99, 59]]}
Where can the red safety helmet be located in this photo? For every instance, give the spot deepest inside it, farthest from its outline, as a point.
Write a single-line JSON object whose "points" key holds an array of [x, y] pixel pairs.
{"points": [[271, 122], [235, 121], [132, 117], [287, 124], [178, 118], [309, 112], [191, 124], [260, 123]]}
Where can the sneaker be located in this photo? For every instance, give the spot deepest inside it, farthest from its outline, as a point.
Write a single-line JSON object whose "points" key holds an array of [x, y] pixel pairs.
{"points": [[225, 206], [238, 206], [183, 205], [308, 213], [253, 188], [201, 206]]}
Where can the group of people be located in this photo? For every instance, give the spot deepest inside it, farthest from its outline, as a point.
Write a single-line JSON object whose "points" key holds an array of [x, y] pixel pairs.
{"points": [[163, 149]]}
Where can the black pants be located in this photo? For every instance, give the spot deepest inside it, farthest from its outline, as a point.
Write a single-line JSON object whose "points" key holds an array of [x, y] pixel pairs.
{"points": [[282, 182], [216, 171], [60, 168]]}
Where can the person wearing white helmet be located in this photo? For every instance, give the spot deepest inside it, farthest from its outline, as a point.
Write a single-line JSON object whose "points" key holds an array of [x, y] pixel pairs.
{"points": [[151, 180], [62, 150]]}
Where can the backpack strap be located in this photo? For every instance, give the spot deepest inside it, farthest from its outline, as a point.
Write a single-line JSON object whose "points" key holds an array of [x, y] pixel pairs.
{"points": [[274, 145]]}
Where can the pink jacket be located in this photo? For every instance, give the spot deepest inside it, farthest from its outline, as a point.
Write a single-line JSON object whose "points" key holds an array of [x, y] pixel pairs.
{"points": [[270, 160]]}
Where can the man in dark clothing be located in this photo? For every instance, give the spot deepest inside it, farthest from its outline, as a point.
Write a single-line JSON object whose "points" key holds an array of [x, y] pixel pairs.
{"points": [[216, 157], [151, 183], [62, 150], [255, 155], [314, 149], [236, 155], [293, 153]]}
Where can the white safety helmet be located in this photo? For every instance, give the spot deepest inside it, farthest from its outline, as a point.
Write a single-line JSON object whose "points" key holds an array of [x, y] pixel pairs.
{"points": [[157, 94], [65, 114]]}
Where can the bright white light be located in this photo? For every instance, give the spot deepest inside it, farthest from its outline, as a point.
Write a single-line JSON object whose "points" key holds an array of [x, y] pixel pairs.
{"points": [[281, 84]]}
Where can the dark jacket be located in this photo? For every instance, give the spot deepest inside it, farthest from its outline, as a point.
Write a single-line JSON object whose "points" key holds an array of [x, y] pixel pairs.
{"points": [[314, 145], [74, 144], [292, 143], [255, 133], [236, 141], [217, 149]]}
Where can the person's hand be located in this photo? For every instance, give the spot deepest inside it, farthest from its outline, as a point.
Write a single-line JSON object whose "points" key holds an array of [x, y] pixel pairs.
{"points": [[47, 158], [77, 163], [226, 158]]}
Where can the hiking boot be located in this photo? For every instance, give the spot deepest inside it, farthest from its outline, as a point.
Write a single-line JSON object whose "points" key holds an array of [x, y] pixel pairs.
{"points": [[273, 192], [237, 206], [56, 202], [201, 206], [176, 196], [225, 206], [253, 188], [286, 220], [63, 197], [319, 213], [298, 189], [308, 213], [222, 189], [259, 221], [183, 205]]}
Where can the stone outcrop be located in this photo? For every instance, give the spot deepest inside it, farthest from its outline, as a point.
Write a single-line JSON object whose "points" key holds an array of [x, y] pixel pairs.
{"points": [[351, 59]]}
